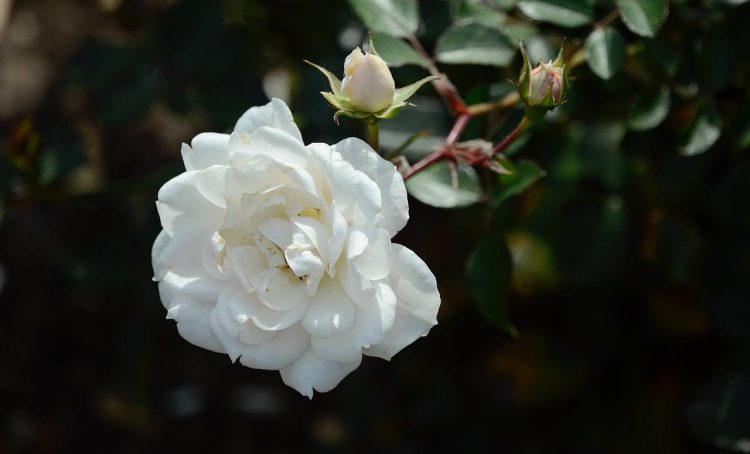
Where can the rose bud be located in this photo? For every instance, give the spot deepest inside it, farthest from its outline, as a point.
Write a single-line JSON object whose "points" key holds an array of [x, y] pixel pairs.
{"points": [[367, 81], [368, 92], [544, 87], [545, 79]]}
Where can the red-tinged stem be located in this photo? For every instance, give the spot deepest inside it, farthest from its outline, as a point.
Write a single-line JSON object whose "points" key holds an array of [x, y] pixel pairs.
{"points": [[432, 158], [444, 86], [510, 138], [444, 151], [458, 129]]}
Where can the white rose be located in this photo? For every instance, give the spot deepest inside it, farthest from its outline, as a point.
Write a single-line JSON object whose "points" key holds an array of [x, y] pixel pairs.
{"points": [[280, 254], [367, 81]]}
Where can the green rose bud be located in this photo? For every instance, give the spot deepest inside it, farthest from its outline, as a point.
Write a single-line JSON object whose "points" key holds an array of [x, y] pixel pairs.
{"points": [[543, 88]]}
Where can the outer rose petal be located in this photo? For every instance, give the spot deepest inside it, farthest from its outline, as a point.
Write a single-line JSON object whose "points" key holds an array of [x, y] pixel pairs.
{"points": [[206, 149], [275, 114], [284, 348], [395, 205], [161, 242], [311, 371], [418, 303], [193, 323], [271, 142], [188, 200]]}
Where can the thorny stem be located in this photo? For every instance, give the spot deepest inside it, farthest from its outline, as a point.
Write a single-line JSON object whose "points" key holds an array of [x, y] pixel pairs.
{"points": [[444, 151], [373, 135], [464, 114]]}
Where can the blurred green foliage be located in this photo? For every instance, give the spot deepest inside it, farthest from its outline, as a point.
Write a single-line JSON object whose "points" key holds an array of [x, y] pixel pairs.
{"points": [[619, 248]]}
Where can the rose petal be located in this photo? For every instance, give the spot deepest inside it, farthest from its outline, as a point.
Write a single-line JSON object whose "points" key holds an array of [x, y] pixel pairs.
{"points": [[279, 231], [193, 322], [245, 262], [284, 348], [311, 371], [158, 265], [394, 205], [375, 261], [275, 114], [376, 317], [271, 142], [331, 311], [196, 288], [418, 303], [206, 149], [357, 196], [181, 203]]}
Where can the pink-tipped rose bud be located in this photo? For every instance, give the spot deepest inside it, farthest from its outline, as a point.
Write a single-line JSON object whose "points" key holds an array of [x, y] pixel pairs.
{"points": [[546, 80], [542, 88]]}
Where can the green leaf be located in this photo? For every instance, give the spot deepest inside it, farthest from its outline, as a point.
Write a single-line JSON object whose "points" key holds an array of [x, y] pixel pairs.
{"points": [[489, 270], [566, 13], [481, 13], [525, 173], [396, 52], [404, 93], [649, 112], [643, 17], [605, 52], [399, 18], [703, 132], [333, 81], [473, 43], [436, 186]]}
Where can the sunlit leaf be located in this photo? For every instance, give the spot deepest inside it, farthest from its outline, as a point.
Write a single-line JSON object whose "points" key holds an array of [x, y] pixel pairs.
{"points": [[437, 186], [644, 17], [566, 13], [473, 43], [481, 13], [703, 132], [399, 18], [489, 272], [605, 52], [649, 112]]}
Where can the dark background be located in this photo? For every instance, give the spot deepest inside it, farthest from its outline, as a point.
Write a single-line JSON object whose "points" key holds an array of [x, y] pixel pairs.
{"points": [[630, 291]]}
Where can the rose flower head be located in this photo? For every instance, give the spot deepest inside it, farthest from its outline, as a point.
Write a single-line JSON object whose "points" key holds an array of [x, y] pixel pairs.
{"points": [[279, 254], [367, 91]]}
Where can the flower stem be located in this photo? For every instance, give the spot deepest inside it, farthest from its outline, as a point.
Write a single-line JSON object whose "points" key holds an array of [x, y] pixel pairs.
{"points": [[510, 138], [432, 158], [373, 135], [506, 102], [444, 151], [443, 85]]}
